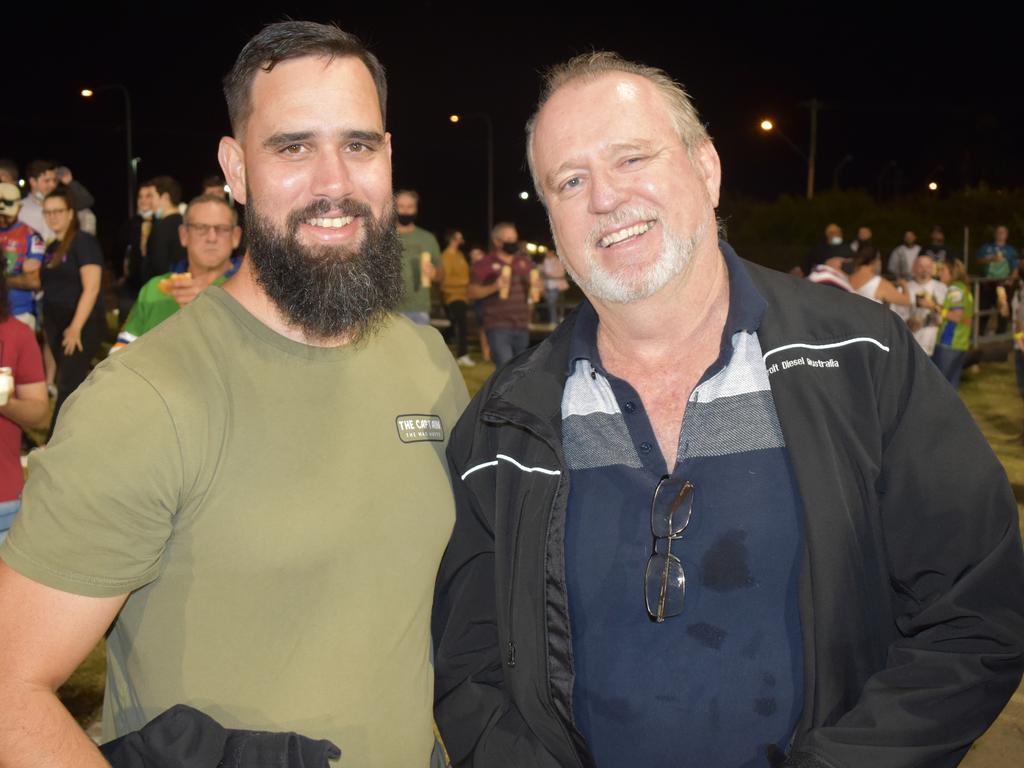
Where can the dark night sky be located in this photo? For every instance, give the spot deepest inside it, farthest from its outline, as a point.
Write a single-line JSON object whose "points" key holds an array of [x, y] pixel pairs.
{"points": [[905, 100]]}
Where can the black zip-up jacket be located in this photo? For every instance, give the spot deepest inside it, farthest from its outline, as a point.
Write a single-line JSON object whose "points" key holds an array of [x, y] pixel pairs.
{"points": [[912, 574]]}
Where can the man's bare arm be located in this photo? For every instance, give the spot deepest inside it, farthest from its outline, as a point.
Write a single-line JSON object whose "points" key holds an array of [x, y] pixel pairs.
{"points": [[45, 634], [28, 280]]}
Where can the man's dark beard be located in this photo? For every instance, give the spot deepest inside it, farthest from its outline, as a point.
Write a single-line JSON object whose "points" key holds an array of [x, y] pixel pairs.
{"points": [[328, 291]]}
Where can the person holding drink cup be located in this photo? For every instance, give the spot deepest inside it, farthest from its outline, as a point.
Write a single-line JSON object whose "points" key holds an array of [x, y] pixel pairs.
{"points": [[421, 258], [503, 281]]}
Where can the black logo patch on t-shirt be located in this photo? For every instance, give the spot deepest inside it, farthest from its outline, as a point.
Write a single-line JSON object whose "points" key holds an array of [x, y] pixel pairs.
{"points": [[419, 427]]}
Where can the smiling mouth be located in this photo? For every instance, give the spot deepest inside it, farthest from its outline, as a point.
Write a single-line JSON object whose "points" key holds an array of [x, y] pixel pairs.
{"points": [[626, 233], [336, 222]]}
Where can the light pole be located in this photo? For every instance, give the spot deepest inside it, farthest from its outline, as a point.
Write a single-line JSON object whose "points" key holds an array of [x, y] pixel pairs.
{"points": [[88, 93], [489, 125], [768, 126]]}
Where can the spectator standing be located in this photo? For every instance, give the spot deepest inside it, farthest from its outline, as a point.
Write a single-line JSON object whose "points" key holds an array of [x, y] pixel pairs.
{"points": [[901, 260], [23, 403], [70, 277], [502, 280], [555, 285], [1000, 260], [453, 292], [421, 258], [957, 312]]}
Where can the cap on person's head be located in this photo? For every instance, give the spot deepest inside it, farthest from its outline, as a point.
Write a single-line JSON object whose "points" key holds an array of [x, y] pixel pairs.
{"points": [[10, 199]]}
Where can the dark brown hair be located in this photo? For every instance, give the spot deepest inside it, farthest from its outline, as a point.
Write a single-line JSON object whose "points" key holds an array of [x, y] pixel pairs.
{"points": [[293, 40]]}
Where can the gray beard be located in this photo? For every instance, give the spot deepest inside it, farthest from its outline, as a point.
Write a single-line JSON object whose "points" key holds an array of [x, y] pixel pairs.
{"points": [[615, 288], [328, 292]]}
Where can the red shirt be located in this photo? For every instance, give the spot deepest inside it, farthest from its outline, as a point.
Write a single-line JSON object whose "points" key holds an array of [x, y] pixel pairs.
{"points": [[513, 312], [19, 352]]}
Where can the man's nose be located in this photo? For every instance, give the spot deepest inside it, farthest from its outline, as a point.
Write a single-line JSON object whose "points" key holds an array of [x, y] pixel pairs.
{"points": [[331, 177], [606, 192]]}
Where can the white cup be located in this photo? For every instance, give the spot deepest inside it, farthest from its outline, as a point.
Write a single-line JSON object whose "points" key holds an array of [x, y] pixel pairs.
{"points": [[6, 384]]}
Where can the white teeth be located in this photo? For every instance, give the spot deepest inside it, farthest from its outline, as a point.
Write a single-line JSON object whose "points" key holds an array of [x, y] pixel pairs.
{"points": [[335, 223], [623, 234]]}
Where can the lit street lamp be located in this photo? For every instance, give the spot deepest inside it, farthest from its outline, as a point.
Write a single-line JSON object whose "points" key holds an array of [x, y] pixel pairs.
{"points": [[768, 126]]}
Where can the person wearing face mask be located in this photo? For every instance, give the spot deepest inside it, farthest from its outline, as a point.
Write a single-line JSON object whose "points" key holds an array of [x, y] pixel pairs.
{"points": [[421, 258], [163, 247], [831, 247], [501, 280], [42, 180], [130, 252]]}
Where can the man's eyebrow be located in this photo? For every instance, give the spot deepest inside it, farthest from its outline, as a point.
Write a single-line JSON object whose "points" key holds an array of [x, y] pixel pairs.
{"points": [[284, 138]]}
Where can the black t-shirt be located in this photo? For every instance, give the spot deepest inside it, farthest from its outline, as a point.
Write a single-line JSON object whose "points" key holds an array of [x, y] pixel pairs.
{"points": [[62, 283], [164, 248]]}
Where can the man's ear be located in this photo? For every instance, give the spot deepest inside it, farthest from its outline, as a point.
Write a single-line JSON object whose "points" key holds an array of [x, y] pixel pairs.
{"points": [[231, 157], [710, 167]]}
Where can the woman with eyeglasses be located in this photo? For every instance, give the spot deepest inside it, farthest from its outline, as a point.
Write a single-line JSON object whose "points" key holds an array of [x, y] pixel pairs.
{"points": [[70, 277]]}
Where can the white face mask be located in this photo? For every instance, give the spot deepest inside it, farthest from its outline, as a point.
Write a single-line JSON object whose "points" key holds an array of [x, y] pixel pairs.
{"points": [[146, 214], [835, 240], [39, 196]]}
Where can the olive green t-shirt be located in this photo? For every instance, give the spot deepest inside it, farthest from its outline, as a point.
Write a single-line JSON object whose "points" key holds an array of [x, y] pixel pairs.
{"points": [[277, 512], [415, 243]]}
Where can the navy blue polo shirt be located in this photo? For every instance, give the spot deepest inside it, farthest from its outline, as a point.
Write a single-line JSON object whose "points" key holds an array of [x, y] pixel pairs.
{"points": [[721, 682]]}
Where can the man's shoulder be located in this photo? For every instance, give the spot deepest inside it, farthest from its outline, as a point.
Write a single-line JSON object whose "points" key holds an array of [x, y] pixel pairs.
{"points": [[183, 342]]}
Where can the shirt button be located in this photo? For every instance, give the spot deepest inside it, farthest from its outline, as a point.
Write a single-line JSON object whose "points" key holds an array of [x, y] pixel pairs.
{"points": [[645, 447], [629, 406]]}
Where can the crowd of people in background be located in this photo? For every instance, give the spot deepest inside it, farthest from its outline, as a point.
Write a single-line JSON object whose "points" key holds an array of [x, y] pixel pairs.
{"points": [[929, 287], [169, 251]]}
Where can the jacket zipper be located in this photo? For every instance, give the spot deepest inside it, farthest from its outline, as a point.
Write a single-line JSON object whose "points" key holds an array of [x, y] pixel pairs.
{"points": [[510, 648], [510, 659]]}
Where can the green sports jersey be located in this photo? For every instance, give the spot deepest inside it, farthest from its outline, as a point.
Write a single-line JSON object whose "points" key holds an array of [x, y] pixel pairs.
{"points": [[151, 308], [277, 512], [958, 335]]}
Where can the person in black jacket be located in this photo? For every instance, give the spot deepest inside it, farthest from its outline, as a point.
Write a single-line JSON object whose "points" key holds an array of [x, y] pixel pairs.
{"points": [[164, 247], [718, 517]]}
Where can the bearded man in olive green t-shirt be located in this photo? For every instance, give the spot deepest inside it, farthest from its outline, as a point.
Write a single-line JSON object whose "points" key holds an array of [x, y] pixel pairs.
{"points": [[254, 494]]}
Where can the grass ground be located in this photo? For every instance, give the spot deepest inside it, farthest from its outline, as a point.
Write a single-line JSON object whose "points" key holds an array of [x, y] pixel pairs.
{"points": [[989, 393]]}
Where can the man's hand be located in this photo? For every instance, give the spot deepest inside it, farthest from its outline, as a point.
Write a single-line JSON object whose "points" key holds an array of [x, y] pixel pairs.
{"points": [[428, 270], [184, 289]]}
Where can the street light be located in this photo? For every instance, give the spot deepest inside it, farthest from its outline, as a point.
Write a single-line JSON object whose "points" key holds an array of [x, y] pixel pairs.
{"points": [[88, 93], [768, 126], [455, 118]]}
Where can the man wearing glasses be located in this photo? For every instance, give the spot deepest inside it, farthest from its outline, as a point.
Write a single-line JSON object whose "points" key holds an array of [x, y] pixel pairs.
{"points": [[210, 233], [712, 520]]}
